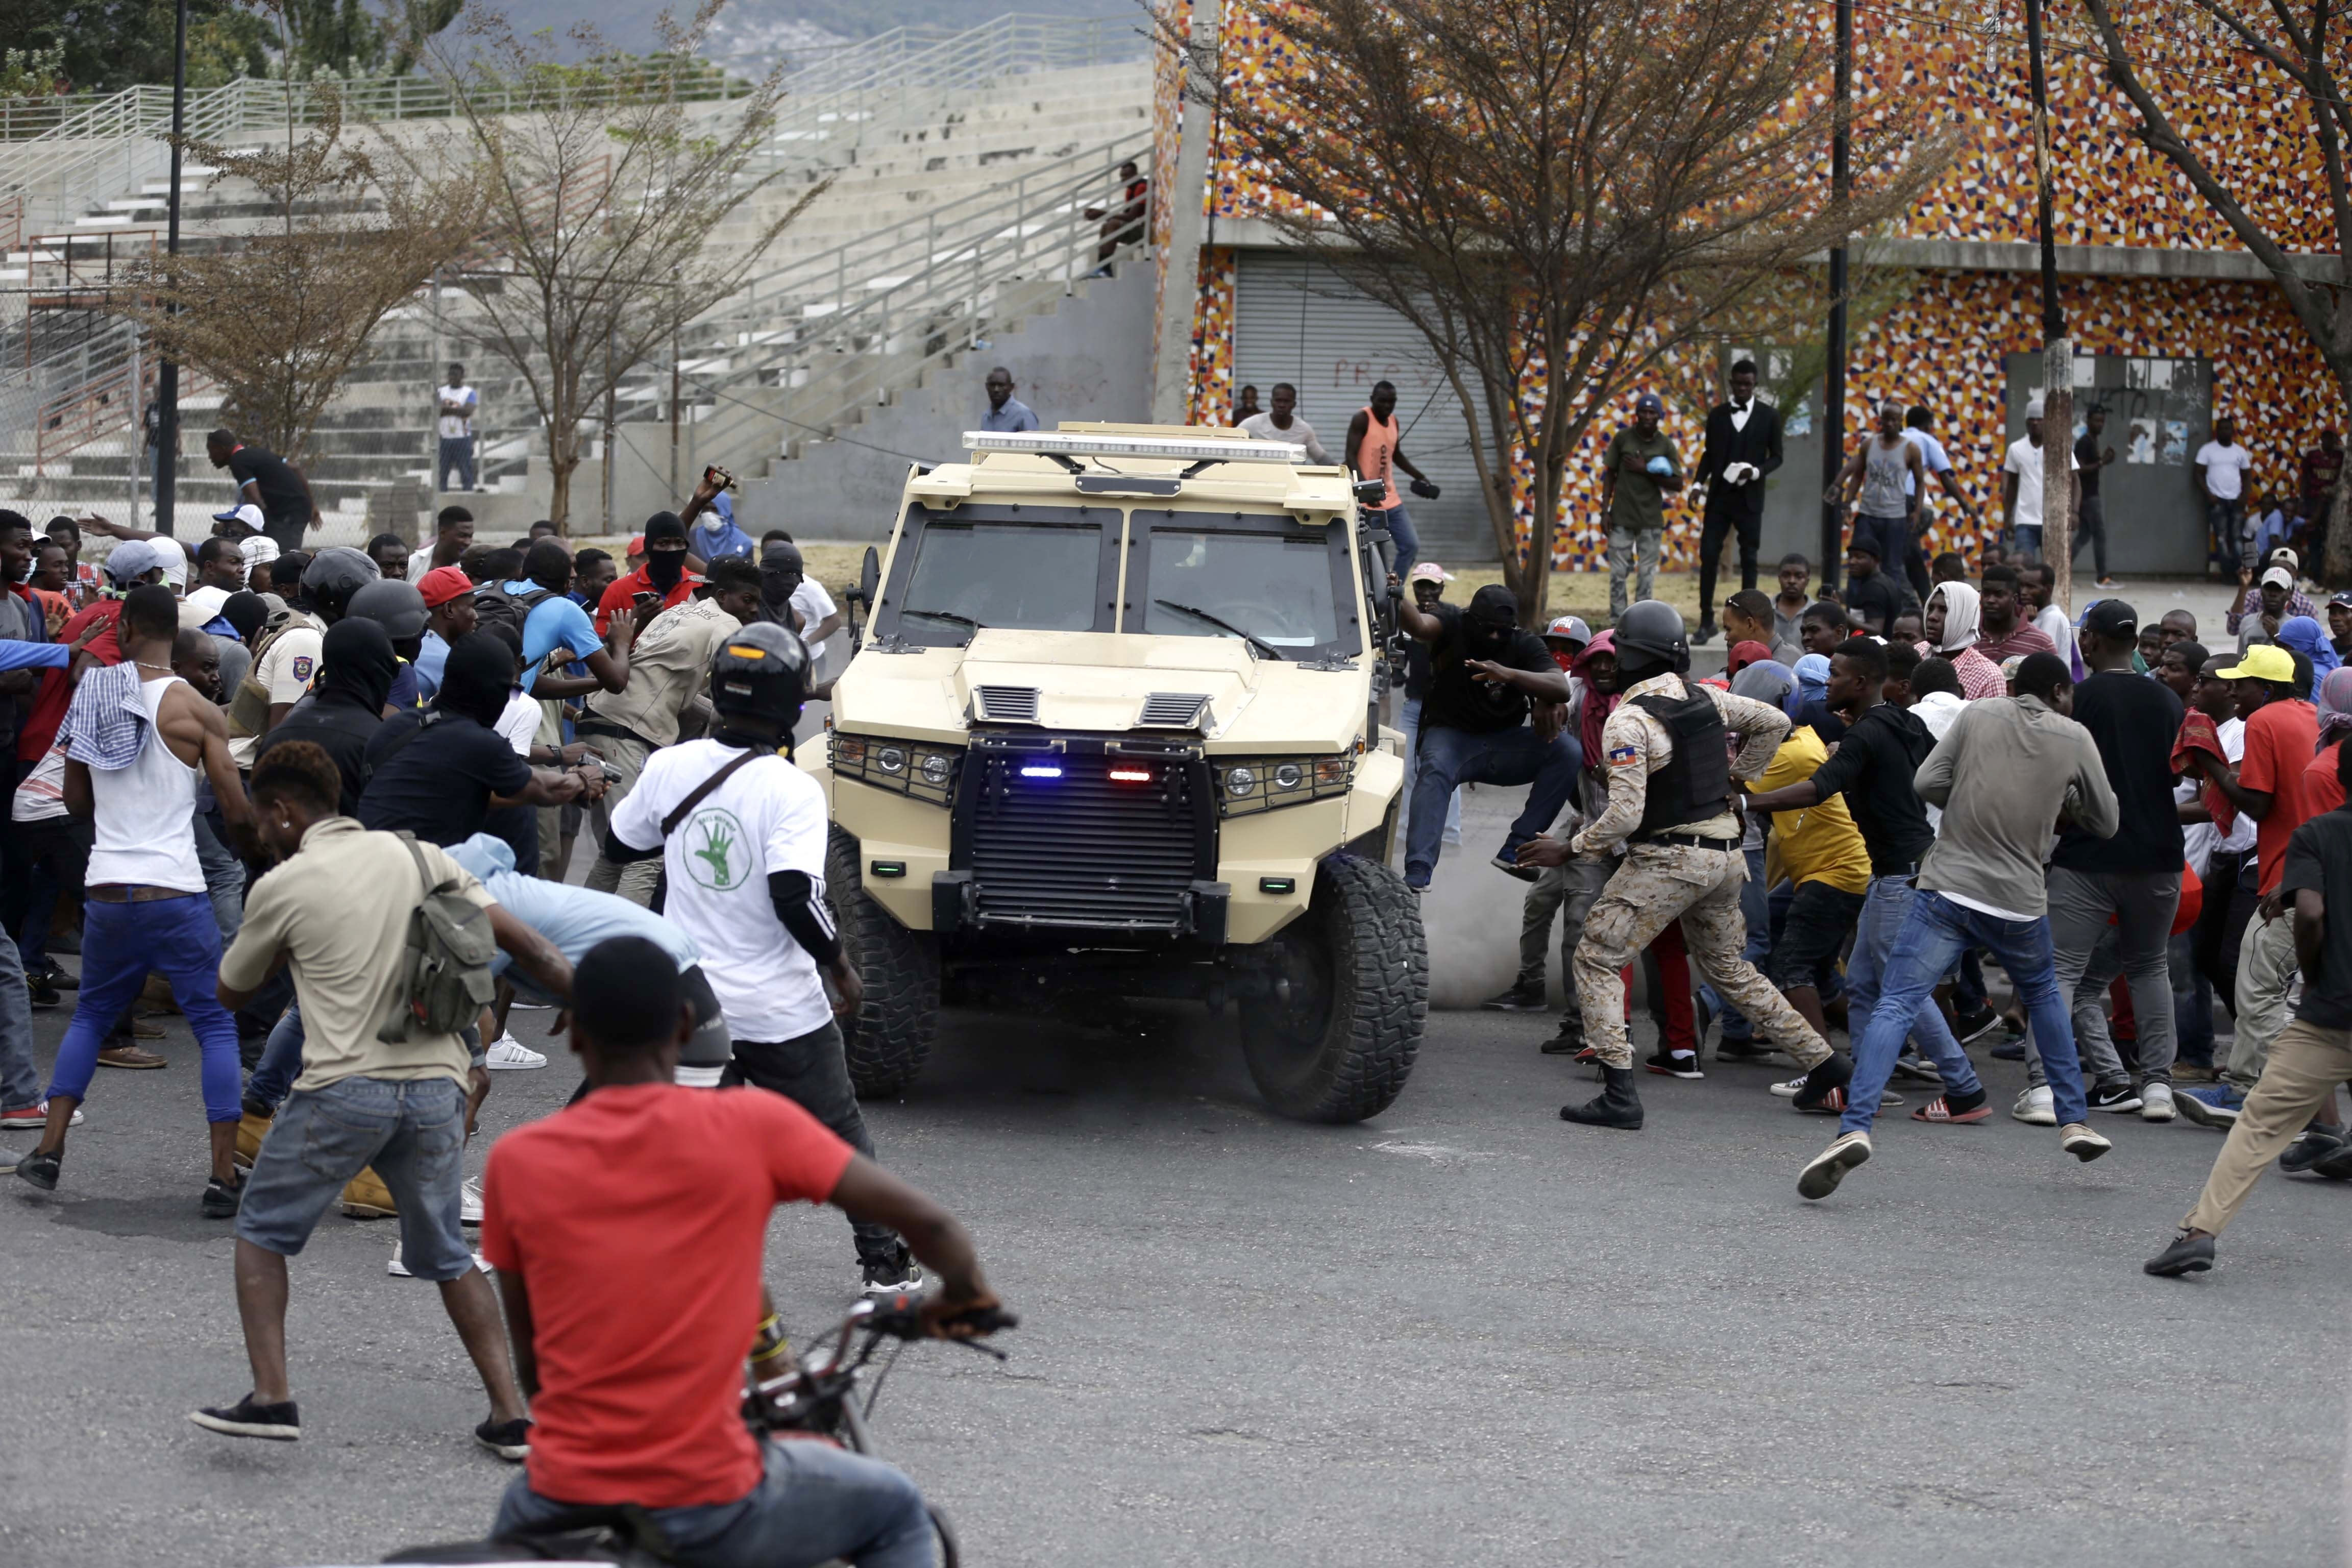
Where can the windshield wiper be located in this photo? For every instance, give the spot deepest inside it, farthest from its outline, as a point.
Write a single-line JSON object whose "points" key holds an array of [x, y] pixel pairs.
{"points": [[1254, 641], [948, 616]]}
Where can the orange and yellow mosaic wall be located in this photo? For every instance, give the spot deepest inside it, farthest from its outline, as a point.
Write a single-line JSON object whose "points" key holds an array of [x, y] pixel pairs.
{"points": [[1971, 58], [1943, 345]]}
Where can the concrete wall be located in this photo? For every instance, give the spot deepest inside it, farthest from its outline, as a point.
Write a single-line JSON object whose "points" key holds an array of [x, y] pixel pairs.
{"points": [[1090, 359]]}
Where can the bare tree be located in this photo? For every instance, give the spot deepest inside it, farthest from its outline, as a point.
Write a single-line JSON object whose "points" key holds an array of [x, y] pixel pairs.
{"points": [[604, 186], [278, 317], [1559, 194], [2289, 45]]}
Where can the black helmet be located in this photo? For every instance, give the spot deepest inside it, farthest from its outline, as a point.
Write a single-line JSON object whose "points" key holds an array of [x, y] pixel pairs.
{"points": [[761, 671], [394, 605], [335, 574], [1650, 637]]}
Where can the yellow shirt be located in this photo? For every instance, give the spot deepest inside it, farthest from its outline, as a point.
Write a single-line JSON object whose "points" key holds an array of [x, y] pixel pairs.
{"points": [[1819, 844]]}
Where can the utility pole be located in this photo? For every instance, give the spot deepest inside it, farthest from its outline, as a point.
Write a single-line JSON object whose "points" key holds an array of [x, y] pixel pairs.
{"points": [[2057, 352], [1834, 376], [167, 373]]}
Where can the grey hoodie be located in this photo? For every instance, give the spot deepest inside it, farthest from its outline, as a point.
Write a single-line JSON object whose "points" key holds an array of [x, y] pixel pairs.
{"points": [[2002, 773]]}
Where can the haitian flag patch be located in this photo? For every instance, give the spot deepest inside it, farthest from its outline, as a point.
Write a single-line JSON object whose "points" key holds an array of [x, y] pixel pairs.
{"points": [[1620, 755]]}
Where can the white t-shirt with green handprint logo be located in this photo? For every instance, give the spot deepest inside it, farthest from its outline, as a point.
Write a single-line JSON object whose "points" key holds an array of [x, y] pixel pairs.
{"points": [[766, 817]]}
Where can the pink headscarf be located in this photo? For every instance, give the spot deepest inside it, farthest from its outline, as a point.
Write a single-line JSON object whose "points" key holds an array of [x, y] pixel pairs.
{"points": [[1597, 707]]}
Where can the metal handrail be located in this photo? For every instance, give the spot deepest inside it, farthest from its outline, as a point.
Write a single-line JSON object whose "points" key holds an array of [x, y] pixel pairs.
{"points": [[830, 353]]}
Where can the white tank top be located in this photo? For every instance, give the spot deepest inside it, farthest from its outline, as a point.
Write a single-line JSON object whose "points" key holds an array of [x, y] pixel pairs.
{"points": [[145, 828]]}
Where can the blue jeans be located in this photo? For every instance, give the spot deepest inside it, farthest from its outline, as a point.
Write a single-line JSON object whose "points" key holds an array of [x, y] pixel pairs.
{"points": [[223, 877], [280, 1063], [1410, 716], [1405, 541], [1885, 912], [177, 937], [1932, 936], [411, 1131], [20, 1080], [2029, 541], [1451, 757], [815, 1503], [1887, 536], [2226, 519], [457, 452], [1759, 948]]}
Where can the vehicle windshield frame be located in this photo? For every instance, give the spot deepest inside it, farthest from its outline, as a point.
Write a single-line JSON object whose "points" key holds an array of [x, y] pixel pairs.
{"points": [[893, 618], [1346, 640]]}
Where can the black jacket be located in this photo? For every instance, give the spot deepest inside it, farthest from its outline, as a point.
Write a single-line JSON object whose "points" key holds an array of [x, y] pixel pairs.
{"points": [[1758, 443]]}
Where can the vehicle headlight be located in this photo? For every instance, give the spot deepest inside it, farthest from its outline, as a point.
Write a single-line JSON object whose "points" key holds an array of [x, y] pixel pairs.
{"points": [[1262, 783], [914, 768]]}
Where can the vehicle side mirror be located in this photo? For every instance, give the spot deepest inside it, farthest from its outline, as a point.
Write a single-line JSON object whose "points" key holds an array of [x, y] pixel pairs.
{"points": [[1370, 493], [869, 576]]}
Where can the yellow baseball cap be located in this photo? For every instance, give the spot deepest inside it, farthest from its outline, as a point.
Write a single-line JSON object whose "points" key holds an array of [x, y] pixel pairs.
{"points": [[2264, 662]]}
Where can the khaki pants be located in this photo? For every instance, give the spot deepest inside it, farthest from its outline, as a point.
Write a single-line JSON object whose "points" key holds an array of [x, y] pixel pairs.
{"points": [[550, 817], [2306, 1063], [636, 881], [1655, 885], [2266, 971]]}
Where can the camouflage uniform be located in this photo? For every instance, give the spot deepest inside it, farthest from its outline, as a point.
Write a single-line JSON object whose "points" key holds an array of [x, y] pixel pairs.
{"points": [[1659, 883]]}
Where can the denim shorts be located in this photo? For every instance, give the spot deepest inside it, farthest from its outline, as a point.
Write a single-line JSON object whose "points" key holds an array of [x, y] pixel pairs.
{"points": [[411, 1131], [1820, 919]]}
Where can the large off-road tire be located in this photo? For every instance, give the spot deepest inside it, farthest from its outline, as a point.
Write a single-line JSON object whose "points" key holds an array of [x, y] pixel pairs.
{"points": [[902, 971], [1339, 1048]]}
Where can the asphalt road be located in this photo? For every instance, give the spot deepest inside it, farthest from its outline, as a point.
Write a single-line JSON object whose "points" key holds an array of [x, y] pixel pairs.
{"points": [[1462, 1333]]}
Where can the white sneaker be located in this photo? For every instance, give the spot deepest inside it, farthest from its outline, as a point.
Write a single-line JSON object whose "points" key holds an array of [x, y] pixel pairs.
{"points": [[1825, 1170], [399, 1270], [2036, 1108], [470, 1202], [2156, 1101], [2082, 1143], [1791, 1089], [511, 1054]]}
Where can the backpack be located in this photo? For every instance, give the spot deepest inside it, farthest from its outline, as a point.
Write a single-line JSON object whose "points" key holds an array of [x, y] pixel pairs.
{"points": [[494, 607], [445, 968]]}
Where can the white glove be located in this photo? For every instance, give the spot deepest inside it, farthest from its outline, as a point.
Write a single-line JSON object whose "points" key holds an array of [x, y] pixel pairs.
{"points": [[1738, 473]]}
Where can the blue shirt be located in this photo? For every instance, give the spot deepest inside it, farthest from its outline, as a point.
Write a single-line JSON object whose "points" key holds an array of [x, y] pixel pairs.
{"points": [[430, 662], [404, 688], [555, 623], [1931, 455], [574, 919], [1014, 415]]}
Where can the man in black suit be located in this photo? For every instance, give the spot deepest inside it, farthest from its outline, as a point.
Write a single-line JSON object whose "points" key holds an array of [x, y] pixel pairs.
{"points": [[1743, 445]]}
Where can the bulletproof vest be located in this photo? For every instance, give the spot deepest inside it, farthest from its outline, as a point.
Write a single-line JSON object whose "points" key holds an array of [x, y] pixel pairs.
{"points": [[1696, 782]]}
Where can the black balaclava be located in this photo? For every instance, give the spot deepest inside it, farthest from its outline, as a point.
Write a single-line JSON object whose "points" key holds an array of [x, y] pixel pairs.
{"points": [[246, 610], [357, 665], [781, 571], [664, 567], [477, 679], [1488, 623]]}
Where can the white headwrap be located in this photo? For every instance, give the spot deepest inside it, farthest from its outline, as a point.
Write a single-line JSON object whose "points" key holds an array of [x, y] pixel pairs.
{"points": [[1963, 614]]}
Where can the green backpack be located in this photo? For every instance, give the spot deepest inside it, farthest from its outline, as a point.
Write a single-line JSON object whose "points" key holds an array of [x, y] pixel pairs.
{"points": [[446, 969]]}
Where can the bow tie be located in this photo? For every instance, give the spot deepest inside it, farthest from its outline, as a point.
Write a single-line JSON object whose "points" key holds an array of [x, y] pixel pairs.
{"points": [[1739, 408]]}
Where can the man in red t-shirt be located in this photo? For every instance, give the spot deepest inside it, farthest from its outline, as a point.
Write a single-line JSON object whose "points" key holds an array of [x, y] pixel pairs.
{"points": [[2269, 786], [633, 1292], [665, 570]]}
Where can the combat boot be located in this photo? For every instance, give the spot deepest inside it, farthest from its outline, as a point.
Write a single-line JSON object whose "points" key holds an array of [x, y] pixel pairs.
{"points": [[1617, 1106]]}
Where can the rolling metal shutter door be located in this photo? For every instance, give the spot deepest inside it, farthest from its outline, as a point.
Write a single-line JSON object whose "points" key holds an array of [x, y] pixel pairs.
{"points": [[1296, 321]]}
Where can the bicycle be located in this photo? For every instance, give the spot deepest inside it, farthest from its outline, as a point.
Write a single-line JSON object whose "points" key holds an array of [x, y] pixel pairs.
{"points": [[815, 1401]]}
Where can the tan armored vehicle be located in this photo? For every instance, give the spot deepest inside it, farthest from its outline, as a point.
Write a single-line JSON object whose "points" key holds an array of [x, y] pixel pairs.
{"points": [[1115, 727]]}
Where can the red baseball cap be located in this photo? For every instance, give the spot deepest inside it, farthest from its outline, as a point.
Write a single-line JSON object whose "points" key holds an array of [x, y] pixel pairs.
{"points": [[442, 585]]}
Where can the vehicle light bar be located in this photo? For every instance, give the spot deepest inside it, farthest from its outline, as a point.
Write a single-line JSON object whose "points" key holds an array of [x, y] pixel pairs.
{"points": [[1168, 448], [1131, 776], [1041, 771]]}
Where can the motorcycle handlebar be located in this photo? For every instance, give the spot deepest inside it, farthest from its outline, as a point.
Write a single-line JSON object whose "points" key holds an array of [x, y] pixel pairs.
{"points": [[903, 1318]]}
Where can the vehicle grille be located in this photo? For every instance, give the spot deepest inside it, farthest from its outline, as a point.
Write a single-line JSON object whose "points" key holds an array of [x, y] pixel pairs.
{"points": [[1017, 704], [1081, 849]]}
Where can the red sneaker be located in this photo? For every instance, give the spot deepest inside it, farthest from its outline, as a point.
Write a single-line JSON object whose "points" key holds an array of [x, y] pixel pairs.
{"points": [[1940, 1109]]}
